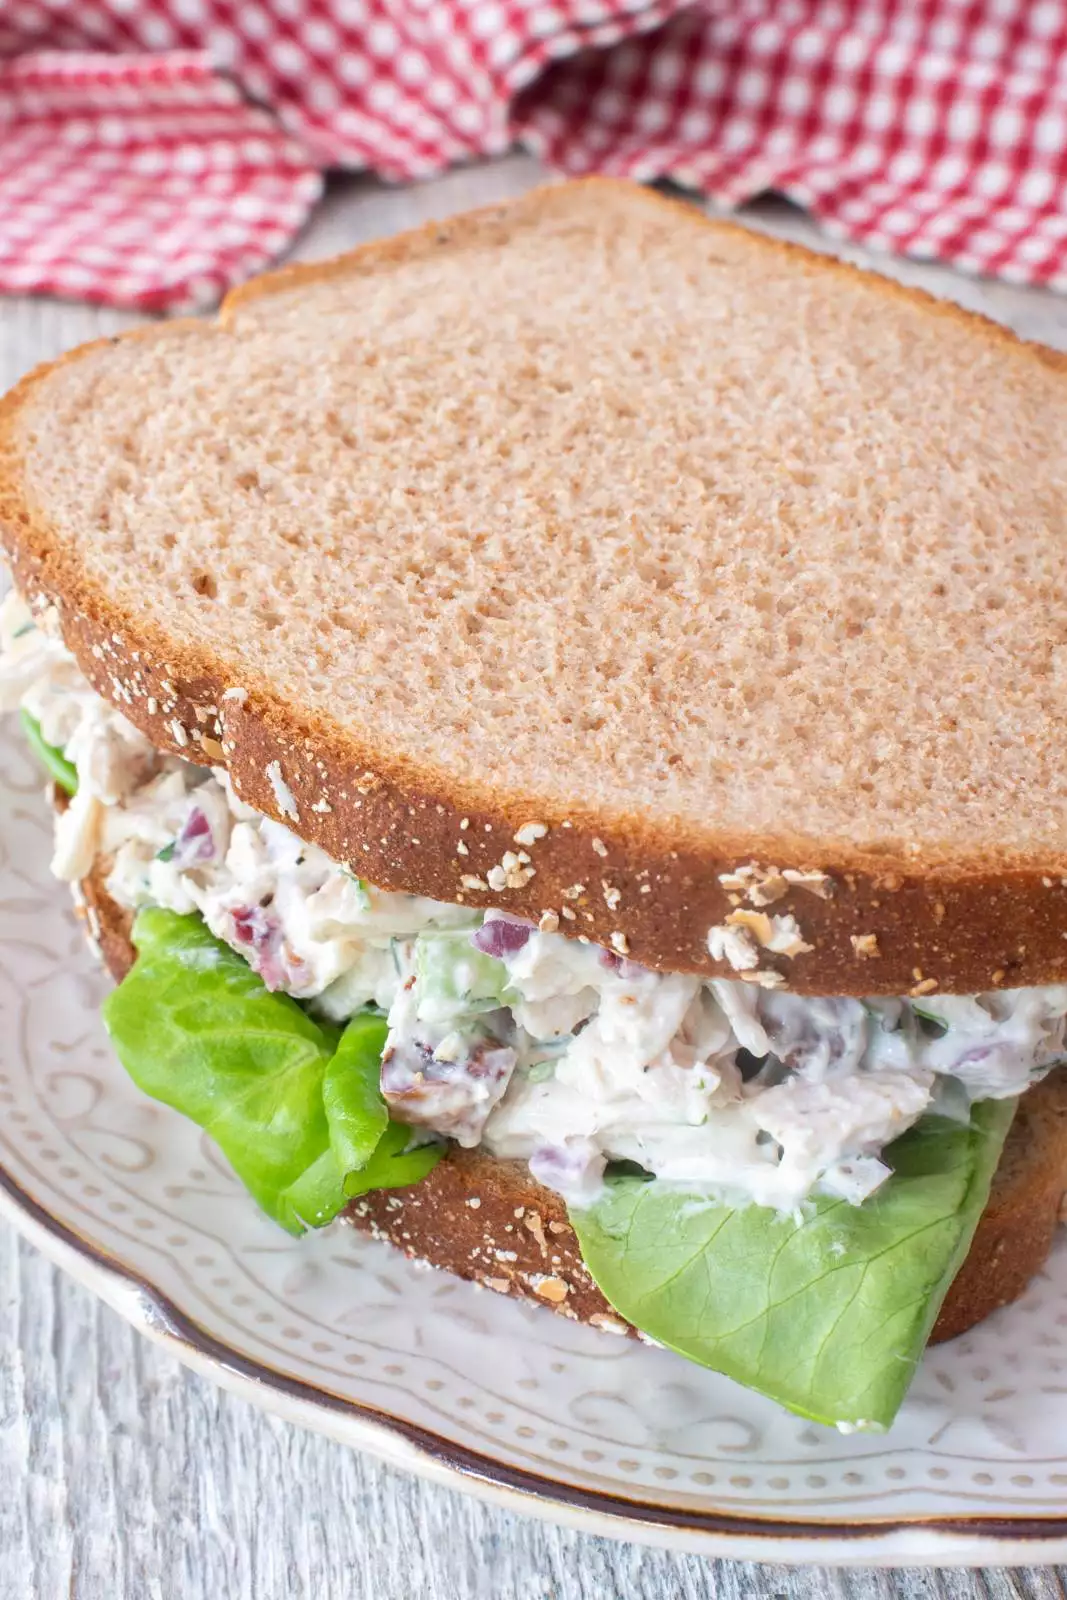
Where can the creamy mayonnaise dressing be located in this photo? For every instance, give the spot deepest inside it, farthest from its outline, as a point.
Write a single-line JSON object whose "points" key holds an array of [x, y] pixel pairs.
{"points": [[529, 1044]]}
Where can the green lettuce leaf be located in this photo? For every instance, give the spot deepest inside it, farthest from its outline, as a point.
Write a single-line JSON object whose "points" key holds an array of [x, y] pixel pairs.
{"points": [[396, 1162], [355, 1111], [293, 1105], [829, 1314], [51, 758]]}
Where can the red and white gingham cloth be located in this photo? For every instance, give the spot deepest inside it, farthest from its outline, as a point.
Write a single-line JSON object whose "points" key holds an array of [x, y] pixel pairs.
{"points": [[152, 152]]}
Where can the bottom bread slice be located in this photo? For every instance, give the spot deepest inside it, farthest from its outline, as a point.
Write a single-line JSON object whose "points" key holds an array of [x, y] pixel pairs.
{"points": [[491, 1222]]}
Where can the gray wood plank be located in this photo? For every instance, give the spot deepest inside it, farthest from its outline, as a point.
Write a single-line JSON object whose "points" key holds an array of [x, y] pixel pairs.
{"points": [[123, 1477]]}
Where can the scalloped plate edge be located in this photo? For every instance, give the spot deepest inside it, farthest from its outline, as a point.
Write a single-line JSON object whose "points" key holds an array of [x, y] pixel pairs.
{"points": [[975, 1541]]}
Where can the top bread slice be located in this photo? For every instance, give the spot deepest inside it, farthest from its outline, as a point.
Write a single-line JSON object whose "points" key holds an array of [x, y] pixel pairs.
{"points": [[572, 555]]}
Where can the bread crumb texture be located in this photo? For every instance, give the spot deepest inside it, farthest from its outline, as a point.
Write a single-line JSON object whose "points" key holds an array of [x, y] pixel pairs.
{"points": [[598, 457], [583, 508]]}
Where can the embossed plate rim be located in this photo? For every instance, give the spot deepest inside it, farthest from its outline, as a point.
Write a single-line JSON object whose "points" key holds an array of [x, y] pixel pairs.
{"points": [[889, 1542], [884, 1542]]}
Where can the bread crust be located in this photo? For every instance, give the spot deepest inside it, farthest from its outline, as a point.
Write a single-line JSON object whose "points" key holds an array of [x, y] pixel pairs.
{"points": [[489, 1221], [877, 922]]}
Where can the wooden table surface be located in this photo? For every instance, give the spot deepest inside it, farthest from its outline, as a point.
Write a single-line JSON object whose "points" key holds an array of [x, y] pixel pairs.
{"points": [[124, 1477]]}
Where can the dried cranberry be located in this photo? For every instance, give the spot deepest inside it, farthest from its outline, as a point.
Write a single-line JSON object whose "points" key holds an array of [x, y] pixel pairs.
{"points": [[195, 843], [250, 925], [269, 955], [501, 935], [627, 970], [574, 1169], [452, 1097]]}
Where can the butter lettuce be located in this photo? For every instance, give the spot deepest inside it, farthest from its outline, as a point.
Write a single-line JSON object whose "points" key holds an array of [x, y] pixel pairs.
{"points": [[369, 1150], [395, 1164], [292, 1103], [827, 1313], [51, 758]]}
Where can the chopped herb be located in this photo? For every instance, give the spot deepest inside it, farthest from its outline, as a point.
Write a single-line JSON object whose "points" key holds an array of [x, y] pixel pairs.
{"points": [[363, 895], [167, 852], [932, 1026], [27, 627], [628, 1169]]}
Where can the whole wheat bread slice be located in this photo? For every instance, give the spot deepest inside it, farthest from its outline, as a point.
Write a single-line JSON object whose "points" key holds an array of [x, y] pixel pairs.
{"points": [[571, 554], [491, 1222]]}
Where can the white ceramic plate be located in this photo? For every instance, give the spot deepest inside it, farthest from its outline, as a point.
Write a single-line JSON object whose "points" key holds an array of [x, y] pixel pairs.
{"points": [[508, 1401]]}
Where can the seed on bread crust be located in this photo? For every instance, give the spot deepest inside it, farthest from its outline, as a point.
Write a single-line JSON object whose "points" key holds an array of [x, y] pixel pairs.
{"points": [[778, 934], [553, 1290]]}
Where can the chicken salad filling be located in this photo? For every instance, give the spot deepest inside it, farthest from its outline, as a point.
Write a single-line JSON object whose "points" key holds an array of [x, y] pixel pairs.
{"points": [[527, 1044]]}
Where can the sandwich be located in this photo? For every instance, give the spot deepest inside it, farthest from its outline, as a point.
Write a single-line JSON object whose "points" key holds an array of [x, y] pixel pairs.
{"points": [[555, 727]]}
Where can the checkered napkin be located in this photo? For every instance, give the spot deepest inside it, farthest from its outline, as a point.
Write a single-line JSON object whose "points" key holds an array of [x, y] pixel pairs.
{"points": [[152, 152]]}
